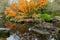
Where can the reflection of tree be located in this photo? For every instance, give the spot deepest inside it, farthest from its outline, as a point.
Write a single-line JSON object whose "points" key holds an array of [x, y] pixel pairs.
{"points": [[3, 3]]}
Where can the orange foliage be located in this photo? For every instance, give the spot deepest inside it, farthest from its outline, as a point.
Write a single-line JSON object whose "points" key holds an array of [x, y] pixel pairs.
{"points": [[14, 6], [8, 9], [22, 5], [10, 12], [43, 2]]}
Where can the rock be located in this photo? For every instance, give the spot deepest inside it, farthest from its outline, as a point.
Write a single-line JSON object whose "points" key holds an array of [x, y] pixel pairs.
{"points": [[44, 28]]}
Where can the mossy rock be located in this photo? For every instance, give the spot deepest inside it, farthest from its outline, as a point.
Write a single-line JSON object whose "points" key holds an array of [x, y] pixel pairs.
{"points": [[57, 24]]}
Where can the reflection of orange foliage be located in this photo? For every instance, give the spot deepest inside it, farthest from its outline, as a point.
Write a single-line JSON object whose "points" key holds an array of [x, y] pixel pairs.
{"points": [[22, 28], [10, 25], [43, 2]]}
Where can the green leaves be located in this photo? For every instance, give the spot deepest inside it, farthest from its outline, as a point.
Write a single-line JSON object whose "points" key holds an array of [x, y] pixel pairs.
{"points": [[44, 17]]}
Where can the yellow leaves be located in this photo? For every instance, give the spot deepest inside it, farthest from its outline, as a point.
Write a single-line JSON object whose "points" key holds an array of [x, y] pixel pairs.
{"points": [[34, 14], [43, 2], [17, 17], [32, 3]]}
